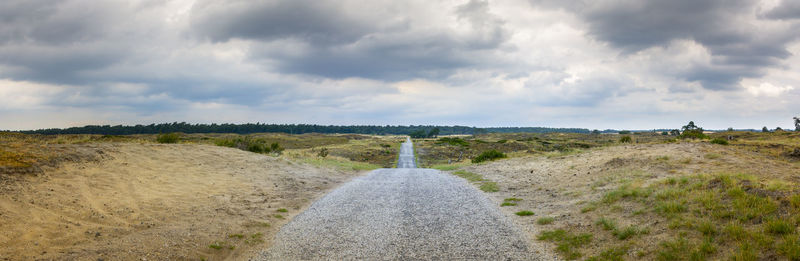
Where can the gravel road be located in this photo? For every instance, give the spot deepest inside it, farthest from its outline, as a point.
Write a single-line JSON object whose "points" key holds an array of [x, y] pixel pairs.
{"points": [[401, 214]]}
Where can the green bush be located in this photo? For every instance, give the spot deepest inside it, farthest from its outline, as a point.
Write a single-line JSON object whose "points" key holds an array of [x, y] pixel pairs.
{"points": [[719, 141], [489, 155], [625, 139], [693, 134], [452, 141], [168, 138]]}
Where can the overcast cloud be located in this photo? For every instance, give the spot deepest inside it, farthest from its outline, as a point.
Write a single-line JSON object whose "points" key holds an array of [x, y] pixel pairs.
{"points": [[624, 64]]}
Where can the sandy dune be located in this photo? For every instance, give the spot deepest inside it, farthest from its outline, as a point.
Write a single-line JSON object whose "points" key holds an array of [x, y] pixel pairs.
{"points": [[156, 202]]}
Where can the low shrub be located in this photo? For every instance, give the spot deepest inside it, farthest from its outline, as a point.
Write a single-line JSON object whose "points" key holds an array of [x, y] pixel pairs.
{"points": [[168, 138], [719, 141], [625, 139], [489, 155]]}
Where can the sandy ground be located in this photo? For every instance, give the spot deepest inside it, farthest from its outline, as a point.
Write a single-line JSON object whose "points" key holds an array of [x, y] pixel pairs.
{"points": [[156, 202], [560, 186]]}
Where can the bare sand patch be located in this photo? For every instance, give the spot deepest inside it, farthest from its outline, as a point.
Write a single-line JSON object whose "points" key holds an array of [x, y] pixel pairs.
{"points": [[156, 202]]}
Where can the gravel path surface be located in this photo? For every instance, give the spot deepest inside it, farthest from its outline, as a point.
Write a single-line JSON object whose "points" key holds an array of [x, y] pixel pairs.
{"points": [[401, 214]]}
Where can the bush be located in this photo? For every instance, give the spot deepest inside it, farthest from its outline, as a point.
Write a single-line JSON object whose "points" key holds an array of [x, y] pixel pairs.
{"points": [[625, 139], [693, 134], [168, 138], [719, 141], [452, 141], [323, 153], [489, 155], [625, 132]]}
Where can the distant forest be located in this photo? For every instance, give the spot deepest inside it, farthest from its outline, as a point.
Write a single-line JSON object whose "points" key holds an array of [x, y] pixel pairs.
{"points": [[248, 128]]}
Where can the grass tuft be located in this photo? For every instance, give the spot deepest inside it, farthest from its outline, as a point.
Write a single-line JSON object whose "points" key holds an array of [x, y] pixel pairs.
{"points": [[567, 243], [545, 220], [524, 213]]}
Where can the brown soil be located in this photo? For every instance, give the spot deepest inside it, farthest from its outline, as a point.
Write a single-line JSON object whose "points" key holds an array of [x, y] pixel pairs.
{"points": [[156, 202]]}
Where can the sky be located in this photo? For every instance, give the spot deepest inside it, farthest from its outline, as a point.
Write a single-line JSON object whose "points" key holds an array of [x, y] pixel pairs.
{"points": [[597, 64]]}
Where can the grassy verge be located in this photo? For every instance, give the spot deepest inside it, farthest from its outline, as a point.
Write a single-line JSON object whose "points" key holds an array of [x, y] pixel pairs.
{"points": [[704, 217], [482, 183]]}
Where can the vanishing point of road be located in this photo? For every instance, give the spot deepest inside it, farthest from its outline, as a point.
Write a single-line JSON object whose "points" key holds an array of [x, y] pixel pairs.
{"points": [[404, 213]]}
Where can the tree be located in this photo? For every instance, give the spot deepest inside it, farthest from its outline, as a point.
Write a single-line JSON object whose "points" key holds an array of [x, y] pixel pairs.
{"points": [[796, 123], [419, 134], [691, 127], [730, 128], [778, 129], [692, 131], [675, 132], [765, 129], [433, 133]]}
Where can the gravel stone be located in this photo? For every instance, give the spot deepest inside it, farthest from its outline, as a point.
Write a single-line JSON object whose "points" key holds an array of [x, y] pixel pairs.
{"points": [[401, 214]]}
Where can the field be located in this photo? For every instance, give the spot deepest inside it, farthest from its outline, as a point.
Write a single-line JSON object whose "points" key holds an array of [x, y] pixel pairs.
{"points": [[91, 197], [663, 199], [579, 196]]}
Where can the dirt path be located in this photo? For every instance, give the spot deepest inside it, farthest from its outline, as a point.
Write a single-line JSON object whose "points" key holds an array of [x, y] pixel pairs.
{"points": [[401, 214]]}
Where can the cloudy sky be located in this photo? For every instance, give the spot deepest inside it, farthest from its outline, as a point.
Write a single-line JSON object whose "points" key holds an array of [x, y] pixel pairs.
{"points": [[623, 64]]}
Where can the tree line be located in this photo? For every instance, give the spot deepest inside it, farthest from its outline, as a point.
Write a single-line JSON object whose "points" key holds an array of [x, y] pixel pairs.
{"points": [[248, 128]]}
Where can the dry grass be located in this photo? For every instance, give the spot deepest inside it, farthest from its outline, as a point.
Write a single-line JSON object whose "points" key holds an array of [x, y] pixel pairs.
{"points": [[689, 200]]}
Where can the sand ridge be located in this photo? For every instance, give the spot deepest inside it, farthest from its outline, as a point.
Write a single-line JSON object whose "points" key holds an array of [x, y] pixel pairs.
{"points": [[153, 201]]}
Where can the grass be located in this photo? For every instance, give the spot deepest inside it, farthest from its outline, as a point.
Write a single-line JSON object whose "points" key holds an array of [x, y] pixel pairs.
{"points": [[168, 138], [611, 254], [607, 224], [510, 202], [568, 244], [469, 176], [628, 232], [451, 166], [545, 220], [524, 213], [489, 155], [282, 210], [489, 186], [715, 216]]}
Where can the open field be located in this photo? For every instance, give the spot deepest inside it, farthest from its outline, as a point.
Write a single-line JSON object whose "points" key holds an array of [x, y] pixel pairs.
{"points": [[580, 195], [666, 200], [438, 152], [128, 197]]}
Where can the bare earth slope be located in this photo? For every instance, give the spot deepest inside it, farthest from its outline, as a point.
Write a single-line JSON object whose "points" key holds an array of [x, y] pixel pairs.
{"points": [[156, 202]]}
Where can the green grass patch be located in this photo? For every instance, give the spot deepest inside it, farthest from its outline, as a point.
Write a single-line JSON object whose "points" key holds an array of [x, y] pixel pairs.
{"points": [[524, 213], [628, 232], [508, 204], [779, 227], [489, 155], [168, 138], [282, 210], [469, 176], [489, 186], [611, 254], [606, 224], [567, 243]]}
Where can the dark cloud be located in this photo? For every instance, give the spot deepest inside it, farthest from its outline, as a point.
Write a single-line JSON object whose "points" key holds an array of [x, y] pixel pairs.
{"points": [[787, 9], [340, 43], [57, 41], [318, 22], [727, 28]]}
